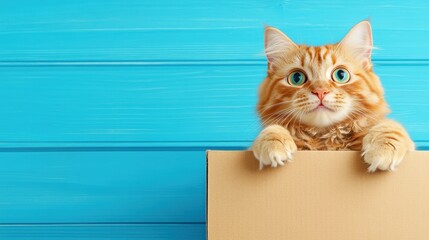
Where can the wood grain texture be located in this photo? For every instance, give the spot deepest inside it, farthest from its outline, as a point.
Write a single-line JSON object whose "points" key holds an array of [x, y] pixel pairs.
{"points": [[104, 232], [119, 186], [144, 30], [163, 104]]}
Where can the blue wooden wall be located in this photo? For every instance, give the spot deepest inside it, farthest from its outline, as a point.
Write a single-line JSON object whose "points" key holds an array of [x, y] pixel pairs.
{"points": [[107, 107]]}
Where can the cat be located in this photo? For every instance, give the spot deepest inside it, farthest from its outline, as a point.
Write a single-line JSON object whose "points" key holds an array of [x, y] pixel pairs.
{"points": [[326, 98]]}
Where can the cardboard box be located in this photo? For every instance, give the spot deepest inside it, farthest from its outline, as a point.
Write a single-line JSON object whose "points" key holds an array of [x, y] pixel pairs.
{"points": [[320, 195]]}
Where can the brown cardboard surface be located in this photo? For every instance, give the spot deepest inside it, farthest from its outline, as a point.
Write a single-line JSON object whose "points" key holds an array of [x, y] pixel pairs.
{"points": [[320, 195]]}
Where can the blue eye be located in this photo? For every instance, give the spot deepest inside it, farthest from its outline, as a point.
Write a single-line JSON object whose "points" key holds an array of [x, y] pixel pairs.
{"points": [[341, 75], [296, 78]]}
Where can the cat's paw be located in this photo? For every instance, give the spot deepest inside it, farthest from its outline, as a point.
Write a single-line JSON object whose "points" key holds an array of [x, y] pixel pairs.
{"points": [[274, 146], [385, 146], [383, 156]]}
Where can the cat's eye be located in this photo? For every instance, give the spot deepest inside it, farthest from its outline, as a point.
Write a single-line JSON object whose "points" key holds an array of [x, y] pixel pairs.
{"points": [[296, 78], [341, 75]]}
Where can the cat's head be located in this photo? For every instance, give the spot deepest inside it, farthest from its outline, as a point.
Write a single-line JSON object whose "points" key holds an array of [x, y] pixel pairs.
{"points": [[319, 86]]}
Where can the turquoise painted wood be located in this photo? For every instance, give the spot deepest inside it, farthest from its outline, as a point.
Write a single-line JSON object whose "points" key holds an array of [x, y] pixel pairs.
{"points": [[102, 186], [107, 107], [143, 104], [115, 30], [104, 232]]}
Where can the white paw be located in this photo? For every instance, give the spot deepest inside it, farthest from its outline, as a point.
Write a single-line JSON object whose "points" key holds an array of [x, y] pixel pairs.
{"points": [[383, 156], [274, 147]]}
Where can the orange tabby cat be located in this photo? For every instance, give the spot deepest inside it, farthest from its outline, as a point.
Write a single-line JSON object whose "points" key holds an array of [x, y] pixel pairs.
{"points": [[326, 98]]}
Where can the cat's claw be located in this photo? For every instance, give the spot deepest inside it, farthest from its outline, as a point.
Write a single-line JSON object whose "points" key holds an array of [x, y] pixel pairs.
{"points": [[385, 146], [274, 146], [273, 154], [383, 157]]}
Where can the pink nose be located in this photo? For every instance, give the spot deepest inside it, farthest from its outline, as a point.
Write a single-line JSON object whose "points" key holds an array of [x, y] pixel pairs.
{"points": [[320, 93]]}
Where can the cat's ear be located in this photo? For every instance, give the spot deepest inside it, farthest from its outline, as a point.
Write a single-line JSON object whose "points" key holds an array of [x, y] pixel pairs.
{"points": [[277, 44], [358, 42]]}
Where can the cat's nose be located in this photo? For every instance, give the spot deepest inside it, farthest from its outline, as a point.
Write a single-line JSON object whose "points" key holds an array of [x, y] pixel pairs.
{"points": [[320, 93]]}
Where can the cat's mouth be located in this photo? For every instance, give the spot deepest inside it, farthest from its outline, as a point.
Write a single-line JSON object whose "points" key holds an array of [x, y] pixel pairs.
{"points": [[322, 107]]}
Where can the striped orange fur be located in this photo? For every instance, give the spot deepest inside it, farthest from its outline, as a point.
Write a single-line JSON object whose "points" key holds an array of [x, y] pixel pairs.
{"points": [[324, 111]]}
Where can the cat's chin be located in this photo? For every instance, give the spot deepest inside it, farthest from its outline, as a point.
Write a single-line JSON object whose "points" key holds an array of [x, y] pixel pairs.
{"points": [[323, 117]]}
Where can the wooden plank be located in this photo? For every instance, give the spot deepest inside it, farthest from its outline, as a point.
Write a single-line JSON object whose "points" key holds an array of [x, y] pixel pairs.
{"points": [[158, 30], [102, 186], [104, 231], [125, 103], [143, 104]]}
